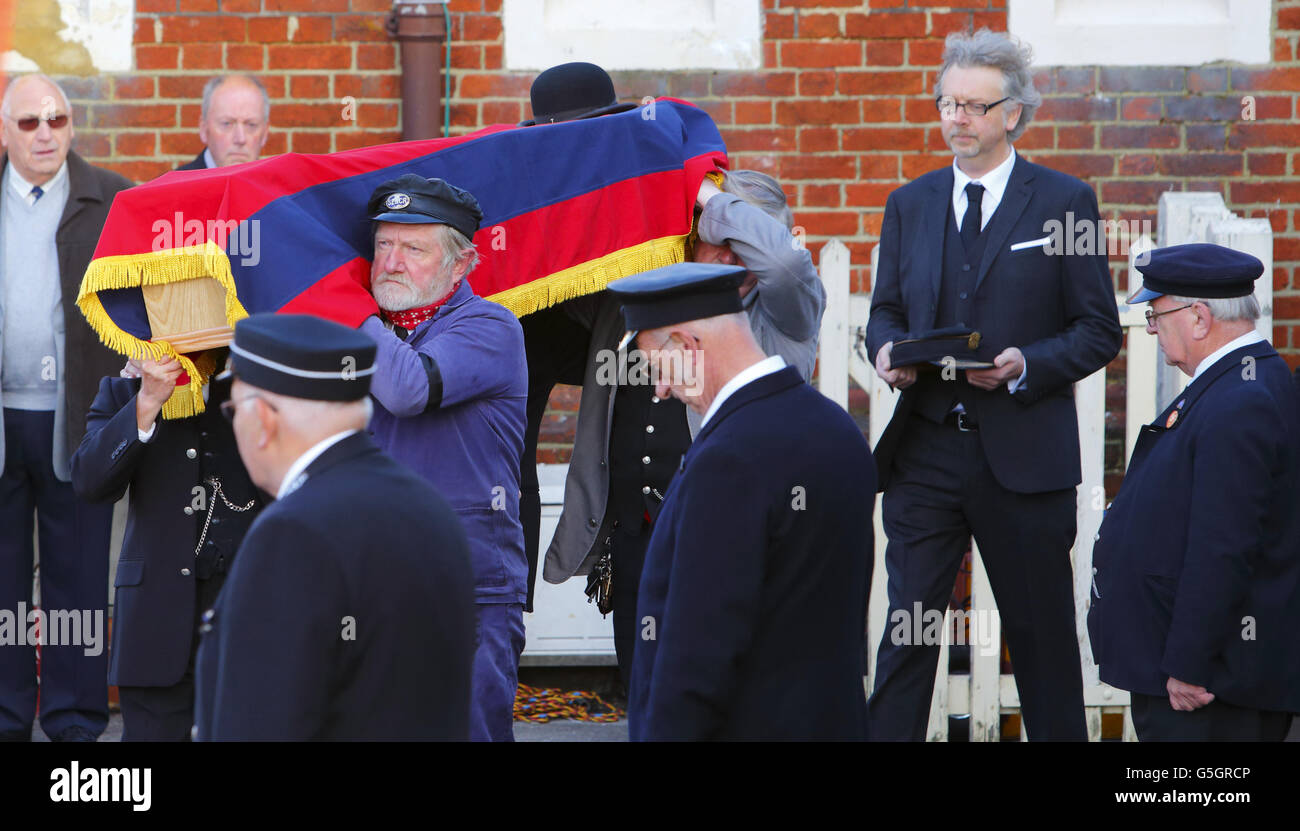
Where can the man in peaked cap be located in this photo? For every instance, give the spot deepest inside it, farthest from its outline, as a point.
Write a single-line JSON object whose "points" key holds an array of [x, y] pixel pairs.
{"points": [[450, 385], [764, 543], [348, 614], [1196, 579]]}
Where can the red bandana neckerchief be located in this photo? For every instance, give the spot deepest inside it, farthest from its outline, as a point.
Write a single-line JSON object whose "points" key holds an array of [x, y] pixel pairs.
{"points": [[412, 318]]}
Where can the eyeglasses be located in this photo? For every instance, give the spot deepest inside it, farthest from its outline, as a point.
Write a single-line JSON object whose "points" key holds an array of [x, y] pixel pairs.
{"points": [[948, 106], [31, 122], [1152, 314], [228, 407]]}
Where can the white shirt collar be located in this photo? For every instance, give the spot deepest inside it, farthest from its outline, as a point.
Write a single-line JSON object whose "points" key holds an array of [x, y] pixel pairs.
{"points": [[753, 372], [208, 159], [24, 188], [994, 182], [296, 474], [1249, 339]]}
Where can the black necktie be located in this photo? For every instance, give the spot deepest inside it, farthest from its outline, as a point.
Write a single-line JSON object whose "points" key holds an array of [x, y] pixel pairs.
{"points": [[970, 223], [37, 193]]}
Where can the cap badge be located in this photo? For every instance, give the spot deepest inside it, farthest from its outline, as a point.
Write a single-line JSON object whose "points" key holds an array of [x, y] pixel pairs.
{"points": [[397, 201]]}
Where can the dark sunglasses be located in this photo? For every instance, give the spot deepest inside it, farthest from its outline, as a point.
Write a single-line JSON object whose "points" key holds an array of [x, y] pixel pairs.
{"points": [[31, 122]]}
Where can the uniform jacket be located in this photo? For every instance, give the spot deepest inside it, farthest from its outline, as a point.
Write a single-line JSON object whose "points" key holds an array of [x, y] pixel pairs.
{"points": [[785, 311], [1197, 564], [348, 615], [468, 446], [754, 595], [81, 360], [197, 163], [1058, 309], [154, 596]]}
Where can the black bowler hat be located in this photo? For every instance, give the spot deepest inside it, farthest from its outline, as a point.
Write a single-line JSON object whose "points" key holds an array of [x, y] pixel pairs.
{"points": [[677, 293], [415, 200], [571, 91], [302, 356], [1197, 269]]}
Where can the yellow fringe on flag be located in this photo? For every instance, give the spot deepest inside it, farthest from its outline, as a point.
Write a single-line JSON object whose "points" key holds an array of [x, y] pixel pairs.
{"points": [[152, 269]]}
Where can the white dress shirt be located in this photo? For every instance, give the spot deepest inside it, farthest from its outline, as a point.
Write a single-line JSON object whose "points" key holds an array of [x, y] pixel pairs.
{"points": [[207, 158], [1249, 339], [24, 187], [753, 372], [296, 475], [994, 182]]}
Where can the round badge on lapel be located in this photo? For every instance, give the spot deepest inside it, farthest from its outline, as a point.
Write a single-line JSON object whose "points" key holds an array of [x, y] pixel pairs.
{"points": [[1172, 420], [397, 201]]}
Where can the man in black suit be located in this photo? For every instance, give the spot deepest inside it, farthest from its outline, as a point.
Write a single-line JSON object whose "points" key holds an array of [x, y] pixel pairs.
{"points": [[234, 122], [992, 452], [191, 502], [350, 611], [752, 605]]}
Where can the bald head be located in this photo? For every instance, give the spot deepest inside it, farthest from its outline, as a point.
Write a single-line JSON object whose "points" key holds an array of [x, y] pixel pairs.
{"points": [[693, 360], [36, 101]]}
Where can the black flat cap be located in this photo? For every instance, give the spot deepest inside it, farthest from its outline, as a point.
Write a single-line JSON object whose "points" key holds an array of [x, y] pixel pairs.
{"points": [[677, 293], [303, 356], [571, 91], [1198, 269], [415, 200]]}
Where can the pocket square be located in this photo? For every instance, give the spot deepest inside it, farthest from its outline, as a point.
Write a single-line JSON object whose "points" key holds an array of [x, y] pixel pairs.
{"points": [[1033, 243]]}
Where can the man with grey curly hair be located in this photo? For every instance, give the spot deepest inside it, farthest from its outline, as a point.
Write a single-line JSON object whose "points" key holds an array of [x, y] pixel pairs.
{"points": [[990, 446]]}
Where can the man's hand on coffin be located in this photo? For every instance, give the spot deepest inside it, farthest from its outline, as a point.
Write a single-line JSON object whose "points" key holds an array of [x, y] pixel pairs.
{"points": [[158, 382]]}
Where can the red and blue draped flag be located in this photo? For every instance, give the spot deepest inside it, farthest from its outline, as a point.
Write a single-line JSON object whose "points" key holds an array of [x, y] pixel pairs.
{"points": [[566, 209]]}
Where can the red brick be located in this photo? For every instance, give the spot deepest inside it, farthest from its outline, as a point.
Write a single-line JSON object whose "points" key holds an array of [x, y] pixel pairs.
{"points": [[1142, 79], [352, 139], [753, 112], [818, 112], [306, 5], [719, 111], [493, 86], [268, 29], [181, 86], [996, 21], [481, 27], [93, 145], [467, 56], [886, 4], [503, 112], [819, 140], [1081, 108], [135, 144], [276, 86], [1125, 192], [1274, 191], [1207, 79], [1084, 165], [821, 53], [368, 86], [818, 166], [492, 53], [1147, 137], [762, 140], [884, 53], [309, 57], [134, 115], [884, 138], [154, 6], [304, 142], [878, 166], [192, 6], [819, 25], [922, 52], [314, 29], [749, 84], [881, 83], [869, 194], [1253, 134], [139, 171], [1137, 164], [1201, 164], [913, 166], [357, 27], [377, 115], [818, 4], [821, 196], [156, 57], [1142, 108], [176, 144], [248, 57], [920, 111], [457, 6], [885, 25], [133, 86], [778, 25], [309, 115], [1205, 136], [241, 6], [769, 53], [310, 86], [376, 56], [1273, 106], [1285, 79], [941, 23], [201, 29], [1283, 52], [1039, 137], [1266, 164], [816, 84], [144, 31], [829, 223], [276, 143], [878, 110]]}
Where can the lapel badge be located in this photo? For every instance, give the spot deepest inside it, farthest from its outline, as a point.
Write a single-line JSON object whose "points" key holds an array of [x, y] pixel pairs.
{"points": [[1173, 416]]}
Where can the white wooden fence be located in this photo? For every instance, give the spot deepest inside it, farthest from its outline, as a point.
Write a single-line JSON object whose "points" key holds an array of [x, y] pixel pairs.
{"points": [[984, 694]]}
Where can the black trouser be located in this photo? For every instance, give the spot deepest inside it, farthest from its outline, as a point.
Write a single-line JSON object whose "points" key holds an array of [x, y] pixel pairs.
{"points": [[941, 492], [1156, 721], [166, 714], [627, 554]]}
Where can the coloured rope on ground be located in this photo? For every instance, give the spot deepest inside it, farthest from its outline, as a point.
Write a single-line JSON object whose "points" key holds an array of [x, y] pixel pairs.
{"points": [[541, 705]]}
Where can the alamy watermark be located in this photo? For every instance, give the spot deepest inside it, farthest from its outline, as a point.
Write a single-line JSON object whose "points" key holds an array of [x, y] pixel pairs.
{"points": [[238, 238], [981, 628], [53, 627], [1088, 237]]}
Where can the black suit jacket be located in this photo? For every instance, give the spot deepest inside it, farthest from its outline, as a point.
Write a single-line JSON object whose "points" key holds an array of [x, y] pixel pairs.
{"points": [[349, 613], [1058, 309], [752, 608], [198, 163], [154, 597]]}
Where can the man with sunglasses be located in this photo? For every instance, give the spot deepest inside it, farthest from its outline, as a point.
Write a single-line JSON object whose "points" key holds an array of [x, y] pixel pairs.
{"points": [[1196, 568], [992, 452], [52, 209]]}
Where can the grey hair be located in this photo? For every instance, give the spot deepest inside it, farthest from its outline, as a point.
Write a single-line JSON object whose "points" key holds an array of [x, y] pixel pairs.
{"points": [[1225, 309], [997, 50], [13, 84], [761, 191], [456, 247], [211, 87]]}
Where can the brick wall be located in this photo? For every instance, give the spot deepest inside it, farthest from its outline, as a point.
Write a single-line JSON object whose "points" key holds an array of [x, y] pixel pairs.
{"points": [[841, 112]]}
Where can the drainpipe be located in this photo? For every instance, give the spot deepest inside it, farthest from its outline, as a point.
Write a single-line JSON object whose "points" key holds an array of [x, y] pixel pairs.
{"points": [[420, 26]]}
